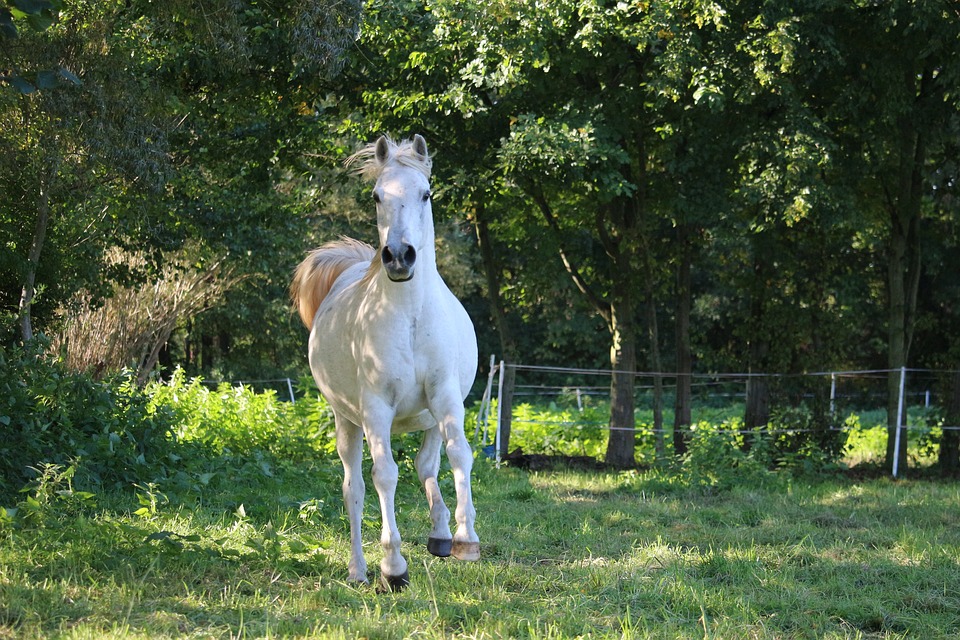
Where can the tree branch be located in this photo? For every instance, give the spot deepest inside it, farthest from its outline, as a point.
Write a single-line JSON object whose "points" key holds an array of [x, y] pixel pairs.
{"points": [[602, 307]]}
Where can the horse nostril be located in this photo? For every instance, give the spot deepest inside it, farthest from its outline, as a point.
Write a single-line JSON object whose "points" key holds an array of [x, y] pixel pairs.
{"points": [[386, 255], [409, 256]]}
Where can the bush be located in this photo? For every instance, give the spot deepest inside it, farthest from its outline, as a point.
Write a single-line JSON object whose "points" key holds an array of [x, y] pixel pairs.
{"points": [[109, 430], [716, 461], [557, 430], [803, 439], [239, 421]]}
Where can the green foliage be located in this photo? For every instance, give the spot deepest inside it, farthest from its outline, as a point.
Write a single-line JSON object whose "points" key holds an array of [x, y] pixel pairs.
{"points": [[718, 455], [716, 460], [246, 537], [51, 496], [556, 430], [108, 431], [36, 14], [237, 421], [112, 433]]}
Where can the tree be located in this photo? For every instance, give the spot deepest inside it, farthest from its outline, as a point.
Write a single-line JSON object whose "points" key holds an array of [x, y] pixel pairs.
{"points": [[186, 120], [65, 146], [577, 103], [892, 81]]}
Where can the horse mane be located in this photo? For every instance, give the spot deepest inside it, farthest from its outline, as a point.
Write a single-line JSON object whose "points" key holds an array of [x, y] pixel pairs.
{"points": [[314, 277], [404, 153]]}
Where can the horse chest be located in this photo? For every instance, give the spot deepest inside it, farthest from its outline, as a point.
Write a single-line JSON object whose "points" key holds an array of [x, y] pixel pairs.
{"points": [[398, 360]]}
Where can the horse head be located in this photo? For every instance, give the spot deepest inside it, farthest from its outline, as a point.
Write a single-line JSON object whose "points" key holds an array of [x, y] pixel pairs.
{"points": [[402, 197]]}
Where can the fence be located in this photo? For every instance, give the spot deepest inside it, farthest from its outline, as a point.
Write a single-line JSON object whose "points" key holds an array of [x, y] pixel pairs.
{"points": [[837, 393], [284, 387]]}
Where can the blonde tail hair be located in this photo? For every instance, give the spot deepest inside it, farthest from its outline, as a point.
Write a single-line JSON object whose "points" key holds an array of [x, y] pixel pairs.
{"points": [[315, 276]]}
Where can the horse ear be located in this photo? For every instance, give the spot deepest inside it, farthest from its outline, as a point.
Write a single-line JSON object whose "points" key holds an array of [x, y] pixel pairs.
{"points": [[420, 147], [382, 151]]}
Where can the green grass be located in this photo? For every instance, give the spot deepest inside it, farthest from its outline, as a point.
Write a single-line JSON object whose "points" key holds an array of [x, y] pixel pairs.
{"points": [[231, 526], [566, 554]]}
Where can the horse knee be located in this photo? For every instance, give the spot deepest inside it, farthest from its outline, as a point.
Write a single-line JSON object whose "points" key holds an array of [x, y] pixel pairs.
{"points": [[459, 452], [385, 474], [353, 489]]}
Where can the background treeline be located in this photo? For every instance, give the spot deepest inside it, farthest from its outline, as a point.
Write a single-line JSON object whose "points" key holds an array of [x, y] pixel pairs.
{"points": [[709, 186]]}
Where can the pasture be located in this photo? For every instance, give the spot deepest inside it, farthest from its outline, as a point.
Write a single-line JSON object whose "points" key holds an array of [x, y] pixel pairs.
{"points": [[261, 551], [228, 523]]}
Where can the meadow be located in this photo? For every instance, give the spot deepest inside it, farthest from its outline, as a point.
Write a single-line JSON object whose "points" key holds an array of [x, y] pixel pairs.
{"points": [[242, 535]]}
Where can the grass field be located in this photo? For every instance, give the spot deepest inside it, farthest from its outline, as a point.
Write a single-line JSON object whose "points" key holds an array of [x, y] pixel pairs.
{"points": [[231, 526], [260, 551]]}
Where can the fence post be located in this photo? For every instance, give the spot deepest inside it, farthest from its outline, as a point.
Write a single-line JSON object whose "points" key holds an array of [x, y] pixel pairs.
{"points": [[483, 413], [496, 443], [833, 395], [900, 421]]}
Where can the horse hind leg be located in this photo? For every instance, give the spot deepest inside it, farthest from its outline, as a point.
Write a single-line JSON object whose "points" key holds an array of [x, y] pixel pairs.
{"points": [[449, 410], [440, 541], [350, 449]]}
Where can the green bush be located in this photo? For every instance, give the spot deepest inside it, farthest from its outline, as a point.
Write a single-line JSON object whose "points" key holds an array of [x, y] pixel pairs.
{"points": [[716, 459], [802, 439], [559, 430], [238, 421], [108, 429]]}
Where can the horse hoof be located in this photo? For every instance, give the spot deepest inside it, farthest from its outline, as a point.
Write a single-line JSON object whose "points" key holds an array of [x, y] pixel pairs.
{"points": [[359, 580], [440, 547], [394, 583], [466, 550]]}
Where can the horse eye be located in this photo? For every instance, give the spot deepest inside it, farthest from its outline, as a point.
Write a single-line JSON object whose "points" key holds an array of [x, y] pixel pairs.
{"points": [[426, 196], [376, 197]]}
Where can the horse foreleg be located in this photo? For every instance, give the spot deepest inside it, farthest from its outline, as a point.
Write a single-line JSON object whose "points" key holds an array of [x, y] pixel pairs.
{"points": [[393, 567], [449, 414], [350, 449], [428, 465]]}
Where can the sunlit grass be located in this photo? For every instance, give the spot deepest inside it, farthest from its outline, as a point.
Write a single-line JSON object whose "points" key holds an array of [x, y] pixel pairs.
{"points": [[566, 554], [235, 541]]}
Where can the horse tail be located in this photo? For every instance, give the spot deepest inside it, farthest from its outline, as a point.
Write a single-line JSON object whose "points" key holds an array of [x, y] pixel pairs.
{"points": [[315, 276]]}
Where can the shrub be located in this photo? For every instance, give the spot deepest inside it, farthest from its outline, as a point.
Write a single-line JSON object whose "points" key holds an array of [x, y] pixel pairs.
{"points": [[107, 429], [558, 430], [803, 439], [239, 421], [716, 461]]}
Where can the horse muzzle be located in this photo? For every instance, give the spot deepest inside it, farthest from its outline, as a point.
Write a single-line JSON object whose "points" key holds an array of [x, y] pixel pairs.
{"points": [[399, 261]]}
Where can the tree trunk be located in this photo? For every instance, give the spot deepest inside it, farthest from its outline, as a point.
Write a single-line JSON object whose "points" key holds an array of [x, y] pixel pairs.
{"points": [[903, 270], [655, 364], [505, 410], [508, 346], [681, 411], [29, 290], [896, 352], [623, 360], [757, 411], [757, 414]]}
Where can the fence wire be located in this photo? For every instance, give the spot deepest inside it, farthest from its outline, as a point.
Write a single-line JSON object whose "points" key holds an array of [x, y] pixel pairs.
{"points": [[834, 395]]}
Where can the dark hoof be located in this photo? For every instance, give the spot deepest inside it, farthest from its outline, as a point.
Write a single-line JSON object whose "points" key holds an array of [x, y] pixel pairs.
{"points": [[440, 547], [394, 583], [466, 550]]}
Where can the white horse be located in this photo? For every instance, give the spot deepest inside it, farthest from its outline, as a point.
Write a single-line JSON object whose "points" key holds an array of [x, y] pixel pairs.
{"points": [[393, 350]]}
